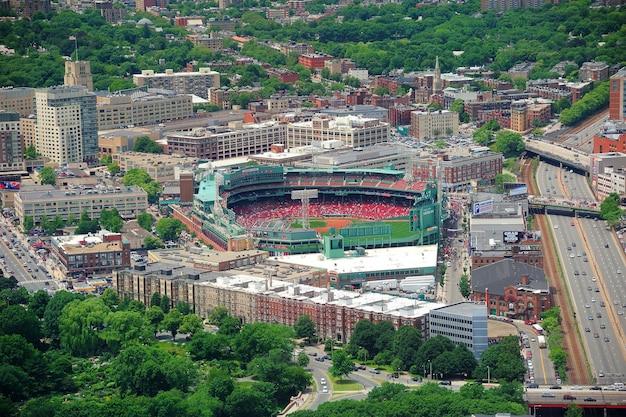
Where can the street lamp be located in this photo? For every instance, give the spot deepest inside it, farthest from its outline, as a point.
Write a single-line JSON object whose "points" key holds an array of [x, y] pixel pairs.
{"points": [[431, 369], [488, 375]]}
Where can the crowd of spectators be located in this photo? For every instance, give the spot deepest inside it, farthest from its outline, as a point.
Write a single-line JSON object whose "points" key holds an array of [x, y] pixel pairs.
{"points": [[250, 215]]}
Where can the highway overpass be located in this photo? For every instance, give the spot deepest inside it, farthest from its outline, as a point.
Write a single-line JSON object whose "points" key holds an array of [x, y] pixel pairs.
{"points": [[544, 401], [559, 155]]}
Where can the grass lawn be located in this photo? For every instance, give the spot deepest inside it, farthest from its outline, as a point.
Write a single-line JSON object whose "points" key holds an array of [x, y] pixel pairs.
{"points": [[341, 385], [246, 384], [170, 347], [312, 223], [400, 229]]}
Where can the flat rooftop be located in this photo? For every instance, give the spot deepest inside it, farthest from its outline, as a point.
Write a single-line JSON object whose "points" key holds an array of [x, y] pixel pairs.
{"points": [[60, 194], [89, 243], [384, 259], [465, 309], [199, 257]]}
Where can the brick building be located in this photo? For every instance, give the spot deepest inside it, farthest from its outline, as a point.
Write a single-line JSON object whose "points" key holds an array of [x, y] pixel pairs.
{"points": [[593, 71], [400, 115], [284, 75], [313, 61], [88, 255], [611, 139], [512, 289], [617, 91], [334, 312]]}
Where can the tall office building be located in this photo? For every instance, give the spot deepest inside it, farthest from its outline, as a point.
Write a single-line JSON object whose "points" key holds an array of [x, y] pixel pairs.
{"points": [[78, 73], [11, 150], [67, 124], [18, 99], [617, 91]]}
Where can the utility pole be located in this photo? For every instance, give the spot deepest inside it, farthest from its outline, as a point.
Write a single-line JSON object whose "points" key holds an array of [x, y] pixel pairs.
{"points": [[488, 375]]}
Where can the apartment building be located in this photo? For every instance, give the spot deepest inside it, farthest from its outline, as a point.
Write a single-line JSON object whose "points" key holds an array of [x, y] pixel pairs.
{"points": [[160, 167], [142, 107], [93, 254], [197, 82], [129, 202], [353, 131], [254, 298], [504, 5], [18, 99], [612, 180], [28, 131], [594, 71], [221, 142], [313, 61], [11, 147], [381, 155], [67, 127], [427, 125], [611, 165], [212, 41], [464, 323], [461, 170]]}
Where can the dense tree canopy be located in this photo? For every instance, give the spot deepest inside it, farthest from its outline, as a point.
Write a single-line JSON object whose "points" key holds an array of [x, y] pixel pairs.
{"points": [[610, 209]]}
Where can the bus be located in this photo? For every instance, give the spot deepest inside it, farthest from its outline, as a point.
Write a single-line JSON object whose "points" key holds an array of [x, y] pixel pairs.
{"points": [[537, 328], [542, 341]]}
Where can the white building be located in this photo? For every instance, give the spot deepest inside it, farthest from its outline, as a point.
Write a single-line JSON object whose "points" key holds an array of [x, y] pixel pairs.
{"points": [[129, 202], [354, 131], [463, 323], [196, 83]]}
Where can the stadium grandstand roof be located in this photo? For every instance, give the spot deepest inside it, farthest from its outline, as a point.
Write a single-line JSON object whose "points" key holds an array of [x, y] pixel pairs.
{"points": [[384, 259]]}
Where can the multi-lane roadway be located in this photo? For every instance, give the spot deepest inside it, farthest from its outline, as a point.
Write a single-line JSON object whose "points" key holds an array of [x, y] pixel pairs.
{"points": [[19, 260], [589, 274]]}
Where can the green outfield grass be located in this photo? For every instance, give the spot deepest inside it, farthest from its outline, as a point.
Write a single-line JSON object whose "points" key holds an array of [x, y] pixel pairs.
{"points": [[312, 223]]}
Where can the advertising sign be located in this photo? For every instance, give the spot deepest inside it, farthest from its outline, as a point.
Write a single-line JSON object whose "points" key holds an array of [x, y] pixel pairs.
{"points": [[482, 207]]}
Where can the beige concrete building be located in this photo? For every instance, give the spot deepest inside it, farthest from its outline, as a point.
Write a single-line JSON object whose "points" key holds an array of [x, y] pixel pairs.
{"points": [[129, 201], [353, 131], [612, 180], [197, 82], [160, 167], [138, 108], [18, 99], [219, 142], [428, 125], [212, 41], [78, 73], [123, 140], [66, 124], [28, 131]]}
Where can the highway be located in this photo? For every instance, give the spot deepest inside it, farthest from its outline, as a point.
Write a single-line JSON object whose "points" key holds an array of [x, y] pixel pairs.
{"points": [[579, 261]]}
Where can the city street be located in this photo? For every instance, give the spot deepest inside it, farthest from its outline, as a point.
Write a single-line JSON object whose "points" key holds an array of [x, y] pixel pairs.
{"points": [[20, 260]]}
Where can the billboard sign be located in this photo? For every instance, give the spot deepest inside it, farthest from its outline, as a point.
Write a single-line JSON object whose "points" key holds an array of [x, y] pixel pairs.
{"points": [[482, 207], [513, 237], [519, 190], [9, 185]]}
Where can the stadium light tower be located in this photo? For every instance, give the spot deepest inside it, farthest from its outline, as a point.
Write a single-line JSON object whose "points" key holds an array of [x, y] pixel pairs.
{"points": [[304, 196]]}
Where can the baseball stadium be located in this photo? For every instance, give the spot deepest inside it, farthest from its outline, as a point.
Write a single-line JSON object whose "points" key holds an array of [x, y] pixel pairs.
{"points": [[288, 211]]}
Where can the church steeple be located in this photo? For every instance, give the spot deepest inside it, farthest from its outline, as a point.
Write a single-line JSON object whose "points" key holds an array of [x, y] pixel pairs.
{"points": [[437, 77]]}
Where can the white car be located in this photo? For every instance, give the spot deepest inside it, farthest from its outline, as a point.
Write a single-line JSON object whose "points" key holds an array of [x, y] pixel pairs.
{"points": [[325, 390]]}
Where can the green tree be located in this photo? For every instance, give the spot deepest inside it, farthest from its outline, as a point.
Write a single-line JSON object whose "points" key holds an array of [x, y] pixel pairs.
{"points": [[191, 324], [504, 361], [111, 220], [28, 224], [592, 102], [172, 321], [573, 411], [501, 179], [406, 342], [146, 370], [38, 303], [248, 401], [140, 178], [79, 326], [165, 303], [458, 106], [169, 228], [217, 315], [122, 327], [113, 168], [610, 209], [145, 144], [230, 326], [508, 143], [342, 364], [151, 242], [464, 286], [47, 176], [183, 307], [53, 312], [155, 299], [86, 225], [303, 359], [145, 220], [207, 346], [257, 339], [30, 152], [15, 319], [305, 328], [154, 316], [110, 298]]}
